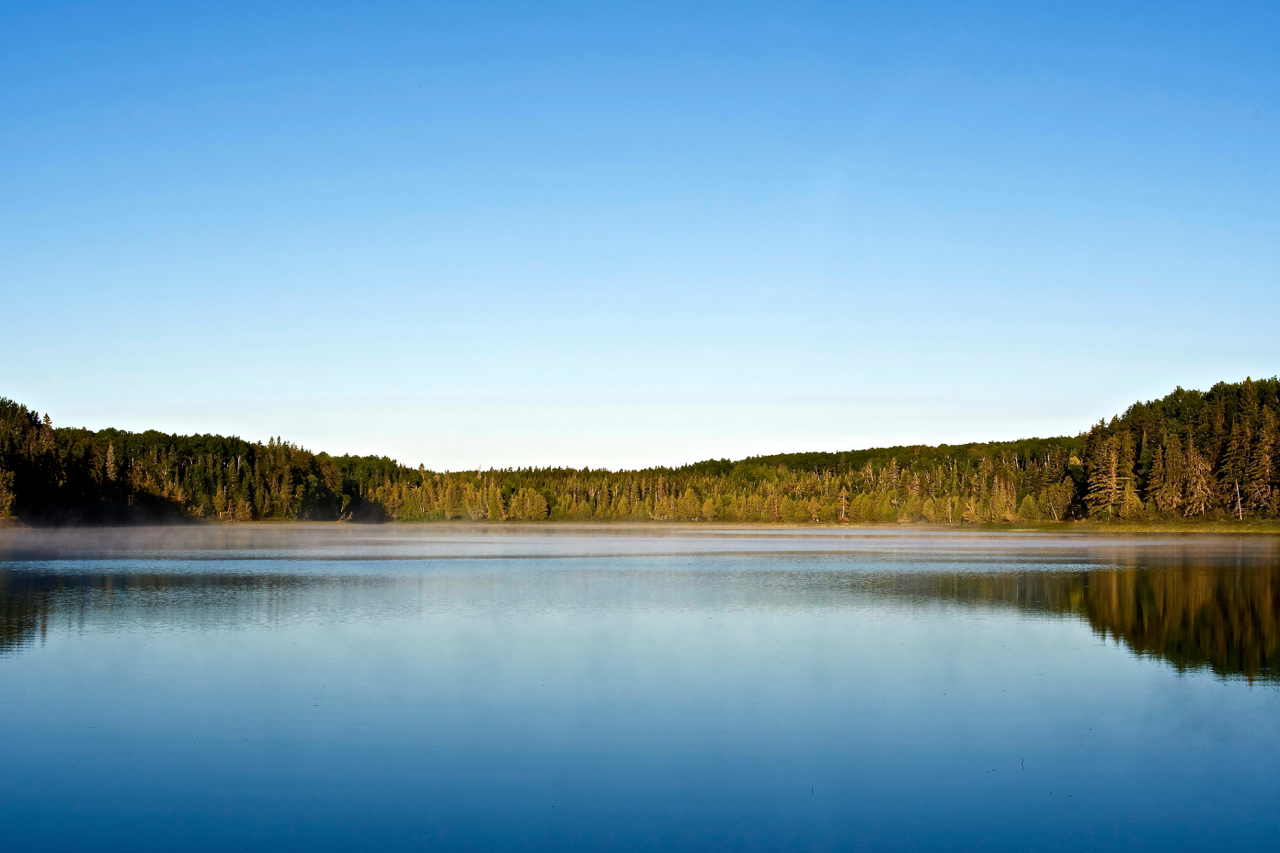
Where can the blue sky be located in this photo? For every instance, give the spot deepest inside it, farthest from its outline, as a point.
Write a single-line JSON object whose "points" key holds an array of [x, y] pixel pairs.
{"points": [[608, 235]]}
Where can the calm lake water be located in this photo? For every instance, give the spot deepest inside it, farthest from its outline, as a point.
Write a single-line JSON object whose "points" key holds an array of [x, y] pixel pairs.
{"points": [[452, 688]]}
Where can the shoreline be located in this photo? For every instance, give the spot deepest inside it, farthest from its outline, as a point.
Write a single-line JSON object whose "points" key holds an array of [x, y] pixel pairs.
{"points": [[1084, 527]]}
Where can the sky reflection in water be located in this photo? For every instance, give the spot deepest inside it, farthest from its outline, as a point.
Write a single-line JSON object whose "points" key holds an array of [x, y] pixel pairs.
{"points": [[459, 688]]}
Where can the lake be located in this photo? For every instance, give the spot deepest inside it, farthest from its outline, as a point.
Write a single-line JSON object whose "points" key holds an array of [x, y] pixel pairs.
{"points": [[636, 688]]}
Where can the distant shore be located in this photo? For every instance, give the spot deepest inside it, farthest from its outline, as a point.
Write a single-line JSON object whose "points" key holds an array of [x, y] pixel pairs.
{"points": [[1085, 527], [1193, 460]]}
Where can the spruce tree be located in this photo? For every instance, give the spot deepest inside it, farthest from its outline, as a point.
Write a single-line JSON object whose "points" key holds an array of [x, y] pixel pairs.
{"points": [[1155, 479], [1235, 462], [1104, 479], [814, 510], [1168, 493], [1258, 488], [496, 511], [1198, 490], [1130, 503], [1249, 402], [7, 494], [1057, 498]]}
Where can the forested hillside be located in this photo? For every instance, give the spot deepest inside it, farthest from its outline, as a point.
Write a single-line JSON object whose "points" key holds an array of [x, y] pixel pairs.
{"points": [[1189, 455]]}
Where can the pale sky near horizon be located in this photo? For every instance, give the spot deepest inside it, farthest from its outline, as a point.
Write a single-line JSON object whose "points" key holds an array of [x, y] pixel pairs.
{"points": [[629, 234]]}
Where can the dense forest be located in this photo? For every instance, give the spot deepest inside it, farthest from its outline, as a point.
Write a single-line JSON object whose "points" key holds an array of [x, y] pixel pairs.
{"points": [[1190, 455]]}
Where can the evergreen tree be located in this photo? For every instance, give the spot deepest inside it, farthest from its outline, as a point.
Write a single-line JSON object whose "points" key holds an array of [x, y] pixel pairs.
{"points": [[1130, 503], [7, 496], [1261, 472], [1235, 461], [495, 508], [1198, 489], [1105, 479], [1169, 491], [1057, 499], [1155, 479]]}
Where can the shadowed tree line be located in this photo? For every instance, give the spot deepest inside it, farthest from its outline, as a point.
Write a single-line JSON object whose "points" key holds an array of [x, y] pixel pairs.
{"points": [[1189, 455]]}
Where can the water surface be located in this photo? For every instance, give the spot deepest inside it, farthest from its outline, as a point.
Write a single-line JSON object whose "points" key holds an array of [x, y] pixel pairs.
{"points": [[636, 688]]}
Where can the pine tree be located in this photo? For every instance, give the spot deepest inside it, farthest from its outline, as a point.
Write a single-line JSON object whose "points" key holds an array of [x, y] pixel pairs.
{"points": [[786, 509], [1130, 503], [1198, 489], [1004, 505], [1056, 499], [604, 506], [928, 511], [496, 510], [1213, 428], [1249, 402], [1258, 489], [1235, 461], [1168, 491], [1155, 479], [537, 507], [7, 495], [1127, 459], [1105, 479], [1144, 464], [688, 508]]}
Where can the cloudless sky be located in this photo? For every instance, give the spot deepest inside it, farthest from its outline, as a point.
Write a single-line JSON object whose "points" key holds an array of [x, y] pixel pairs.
{"points": [[481, 234]]}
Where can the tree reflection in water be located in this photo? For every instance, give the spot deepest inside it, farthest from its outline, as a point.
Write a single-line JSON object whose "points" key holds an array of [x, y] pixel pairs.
{"points": [[1195, 617], [1223, 619]]}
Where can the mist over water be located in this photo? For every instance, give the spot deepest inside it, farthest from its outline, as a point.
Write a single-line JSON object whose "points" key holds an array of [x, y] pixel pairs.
{"points": [[451, 687]]}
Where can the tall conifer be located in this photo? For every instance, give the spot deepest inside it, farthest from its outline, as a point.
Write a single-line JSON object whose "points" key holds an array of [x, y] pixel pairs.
{"points": [[1105, 479], [1258, 488], [1198, 489], [1168, 492]]}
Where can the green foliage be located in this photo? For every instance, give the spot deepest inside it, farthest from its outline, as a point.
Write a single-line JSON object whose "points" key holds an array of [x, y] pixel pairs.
{"points": [[1210, 455], [1190, 454]]}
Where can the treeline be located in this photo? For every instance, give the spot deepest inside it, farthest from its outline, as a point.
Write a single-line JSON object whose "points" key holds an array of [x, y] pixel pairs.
{"points": [[1189, 455]]}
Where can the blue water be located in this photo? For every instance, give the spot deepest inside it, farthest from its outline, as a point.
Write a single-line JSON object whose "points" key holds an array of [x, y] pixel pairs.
{"points": [[446, 688]]}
